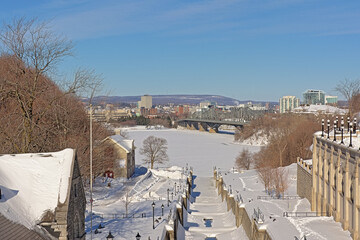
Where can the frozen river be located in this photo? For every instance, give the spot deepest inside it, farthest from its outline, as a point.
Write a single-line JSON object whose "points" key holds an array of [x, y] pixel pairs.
{"points": [[201, 150]]}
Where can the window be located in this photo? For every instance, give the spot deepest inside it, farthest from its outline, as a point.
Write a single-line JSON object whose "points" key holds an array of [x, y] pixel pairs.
{"points": [[75, 190]]}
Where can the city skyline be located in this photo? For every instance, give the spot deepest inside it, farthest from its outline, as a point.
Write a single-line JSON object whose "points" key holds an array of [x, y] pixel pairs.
{"points": [[240, 49]]}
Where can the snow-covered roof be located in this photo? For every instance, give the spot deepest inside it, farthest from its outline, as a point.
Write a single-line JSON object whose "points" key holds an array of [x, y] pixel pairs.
{"points": [[127, 144], [320, 108], [33, 183]]}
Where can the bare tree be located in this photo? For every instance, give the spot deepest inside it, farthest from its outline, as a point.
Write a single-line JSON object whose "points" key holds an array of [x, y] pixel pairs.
{"points": [[35, 114], [154, 149], [34, 51], [280, 180], [266, 177], [124, 133], [244, 160], [349, 89]]}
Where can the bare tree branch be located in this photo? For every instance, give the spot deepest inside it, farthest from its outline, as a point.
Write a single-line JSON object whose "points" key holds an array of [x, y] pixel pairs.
{"points": [[154, 149]]}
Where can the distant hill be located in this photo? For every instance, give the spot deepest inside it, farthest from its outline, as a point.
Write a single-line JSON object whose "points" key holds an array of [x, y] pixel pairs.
{"points": [[175, 99]]}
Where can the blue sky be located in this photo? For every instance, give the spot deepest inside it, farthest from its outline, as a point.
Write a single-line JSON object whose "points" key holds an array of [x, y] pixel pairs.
{"points": [[245, 49]]}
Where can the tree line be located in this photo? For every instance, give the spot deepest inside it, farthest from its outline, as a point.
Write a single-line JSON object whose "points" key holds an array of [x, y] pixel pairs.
{"points": [[37, 113]]}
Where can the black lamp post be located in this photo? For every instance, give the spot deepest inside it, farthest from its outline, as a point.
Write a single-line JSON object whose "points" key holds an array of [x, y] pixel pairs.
{"points": [[162, 209], [334, 130], [328, 128], [153, 206], [138, 237], [175, 187], [348, 122], [337, 122], [110, 236], [172, 196], [351, 130], [322, 127], [342, 131], [355, 123], [168, 197]]}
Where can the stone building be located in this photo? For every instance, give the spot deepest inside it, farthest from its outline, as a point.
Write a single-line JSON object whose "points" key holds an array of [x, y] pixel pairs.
{"points": [[335, 181], [42, 196], [122, 151]]}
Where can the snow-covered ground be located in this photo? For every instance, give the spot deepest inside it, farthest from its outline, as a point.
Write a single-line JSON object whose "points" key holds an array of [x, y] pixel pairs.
{"points": [[202, 151], [249, 187]]}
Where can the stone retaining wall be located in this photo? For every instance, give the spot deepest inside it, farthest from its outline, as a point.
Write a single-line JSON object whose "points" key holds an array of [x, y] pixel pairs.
{"points": [[242, 218], [304, 180], [171, 229]]}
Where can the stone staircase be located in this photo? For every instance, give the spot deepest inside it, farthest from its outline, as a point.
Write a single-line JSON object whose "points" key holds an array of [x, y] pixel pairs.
{"points": [[207, 216]]}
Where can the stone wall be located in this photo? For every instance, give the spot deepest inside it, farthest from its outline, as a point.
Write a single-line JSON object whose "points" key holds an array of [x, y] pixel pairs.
{"points": [[68, 220], [77, 205], [180, 211], [304, 180], [242, 218]]}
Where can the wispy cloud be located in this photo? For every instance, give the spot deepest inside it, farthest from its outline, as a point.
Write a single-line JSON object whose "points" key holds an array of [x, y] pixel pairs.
{"points": [[93, 19]]}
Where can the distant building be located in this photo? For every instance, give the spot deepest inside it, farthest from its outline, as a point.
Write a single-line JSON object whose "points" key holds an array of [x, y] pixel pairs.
{"points": [[182, 109], [122, 152], [314, 97], [332, 100], [146, 102], [288, 103], [148, 112], [205, 104]]}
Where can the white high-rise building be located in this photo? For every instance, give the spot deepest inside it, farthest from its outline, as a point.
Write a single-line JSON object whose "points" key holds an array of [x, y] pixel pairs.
{"points": [[146, 102], [288, 103]]}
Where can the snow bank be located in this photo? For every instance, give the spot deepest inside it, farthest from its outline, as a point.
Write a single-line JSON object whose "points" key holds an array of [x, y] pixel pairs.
{"points": [[38, 182], [167, 173], [257, 139], [320, 109]]}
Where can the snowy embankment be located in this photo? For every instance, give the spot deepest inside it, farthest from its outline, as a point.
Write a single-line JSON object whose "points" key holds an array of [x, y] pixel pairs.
{"points": [[257, 139], [138, 193], [247, 186]]}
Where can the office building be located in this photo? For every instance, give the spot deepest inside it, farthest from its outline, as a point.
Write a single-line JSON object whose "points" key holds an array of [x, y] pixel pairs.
{"points": [[332, 100], [146, 102], [314, 97], [288, 103]]}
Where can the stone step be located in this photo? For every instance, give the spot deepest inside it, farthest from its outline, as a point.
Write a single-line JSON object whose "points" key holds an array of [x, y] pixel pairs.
{"points": [[210, 214], [215, 230]]}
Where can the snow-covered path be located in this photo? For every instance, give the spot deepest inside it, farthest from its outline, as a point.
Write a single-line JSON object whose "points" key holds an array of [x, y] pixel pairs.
{"points": [[208, 216]]}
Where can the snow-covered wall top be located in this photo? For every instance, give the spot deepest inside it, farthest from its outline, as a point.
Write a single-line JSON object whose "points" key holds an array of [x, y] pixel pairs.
{"points": [[33, 183]]}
